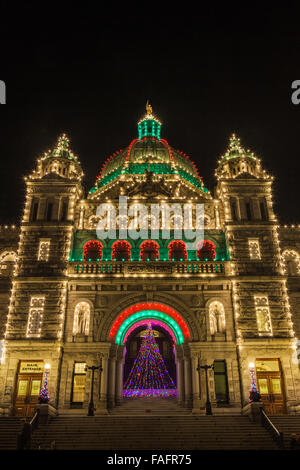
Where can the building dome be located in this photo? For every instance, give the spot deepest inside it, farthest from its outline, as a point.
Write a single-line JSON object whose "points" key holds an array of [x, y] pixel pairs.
{"points": [[148, 152]]}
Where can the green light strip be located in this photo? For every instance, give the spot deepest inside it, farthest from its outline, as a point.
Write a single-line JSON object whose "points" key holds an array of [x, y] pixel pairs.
{"points": [[149, 314], [149, 127]]}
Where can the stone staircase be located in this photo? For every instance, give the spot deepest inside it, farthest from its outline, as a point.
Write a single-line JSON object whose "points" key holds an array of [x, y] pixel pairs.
{"points": [[155, 407], [149, 424], [120, 432], [9, 429], [288, 424]]}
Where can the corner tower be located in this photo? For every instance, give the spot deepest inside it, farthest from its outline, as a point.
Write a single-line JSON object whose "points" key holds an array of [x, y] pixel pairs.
{"points": [[36, 314], [259, 295]]}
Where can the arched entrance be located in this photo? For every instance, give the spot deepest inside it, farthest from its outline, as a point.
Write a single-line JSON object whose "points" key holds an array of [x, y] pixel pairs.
{"points": [[170, 332], [149, 362]]}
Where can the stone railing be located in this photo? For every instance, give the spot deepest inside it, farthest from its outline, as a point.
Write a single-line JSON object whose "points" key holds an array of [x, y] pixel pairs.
{"points": [[145, 268]]}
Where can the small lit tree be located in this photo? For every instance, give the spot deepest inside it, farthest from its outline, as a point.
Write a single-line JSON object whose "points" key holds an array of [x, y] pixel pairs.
{"points": [[44, 393]]}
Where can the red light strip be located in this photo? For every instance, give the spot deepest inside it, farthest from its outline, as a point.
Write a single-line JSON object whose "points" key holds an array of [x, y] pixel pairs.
{"points": [[149, 306]]}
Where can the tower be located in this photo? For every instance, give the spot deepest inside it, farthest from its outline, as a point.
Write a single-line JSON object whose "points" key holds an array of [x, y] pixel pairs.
{"points": [[260, 302], [36, 314]]}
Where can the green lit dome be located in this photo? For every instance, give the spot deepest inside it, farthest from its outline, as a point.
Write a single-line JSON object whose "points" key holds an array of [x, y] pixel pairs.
{"points": [[148, 152]]}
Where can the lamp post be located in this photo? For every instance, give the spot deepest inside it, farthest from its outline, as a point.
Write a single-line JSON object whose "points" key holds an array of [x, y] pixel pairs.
{"points": [[91, 408], [208, 404]]}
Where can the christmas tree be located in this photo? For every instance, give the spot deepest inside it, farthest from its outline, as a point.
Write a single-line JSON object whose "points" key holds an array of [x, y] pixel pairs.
{"points": [[254, 395], [149, 376], [44, 393]]}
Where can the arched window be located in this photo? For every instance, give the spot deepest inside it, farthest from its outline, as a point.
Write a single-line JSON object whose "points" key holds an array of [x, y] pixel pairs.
{"points": [[292, 262], [177, 251], [149, 250], [92, 251], [207, 252], [7, 262], [81, 322], [216, 318], [121, 251]]}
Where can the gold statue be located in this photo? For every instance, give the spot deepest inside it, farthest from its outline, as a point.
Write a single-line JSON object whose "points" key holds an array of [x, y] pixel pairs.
{"points": [[148, 107]]}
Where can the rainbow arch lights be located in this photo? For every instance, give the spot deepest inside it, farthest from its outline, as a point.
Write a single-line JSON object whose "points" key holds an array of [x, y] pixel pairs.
{"points": [[167, 316], [154, 322]]}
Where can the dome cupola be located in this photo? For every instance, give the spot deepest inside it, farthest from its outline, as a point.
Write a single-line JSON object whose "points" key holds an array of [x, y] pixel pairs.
{"points": [[149, 125]]}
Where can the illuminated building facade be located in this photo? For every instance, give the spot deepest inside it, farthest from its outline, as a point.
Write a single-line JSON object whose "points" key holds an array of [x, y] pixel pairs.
{"points": [[71, 299]]}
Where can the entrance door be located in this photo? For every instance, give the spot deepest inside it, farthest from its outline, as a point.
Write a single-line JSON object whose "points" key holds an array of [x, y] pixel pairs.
{"points": [[270, 386], [27, 393]]}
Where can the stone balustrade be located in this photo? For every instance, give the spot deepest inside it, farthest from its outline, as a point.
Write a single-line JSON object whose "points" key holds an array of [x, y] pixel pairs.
{"points": [[140, 268]]}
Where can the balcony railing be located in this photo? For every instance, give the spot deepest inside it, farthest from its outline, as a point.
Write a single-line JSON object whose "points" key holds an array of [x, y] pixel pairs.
{"points": [[146, 268]]}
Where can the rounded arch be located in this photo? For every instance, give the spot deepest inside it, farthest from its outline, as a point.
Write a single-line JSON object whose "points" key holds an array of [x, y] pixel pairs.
{"points": [[291, 260], [8, 256], [206, 251], [82, 317], [149, 250], [121, 251], [169, 314], [92, 251], [177, 251], [154, 316], [216, 316]]}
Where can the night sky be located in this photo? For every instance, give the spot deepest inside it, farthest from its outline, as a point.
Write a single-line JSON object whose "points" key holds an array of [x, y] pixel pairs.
{"points": [[207, 73]]}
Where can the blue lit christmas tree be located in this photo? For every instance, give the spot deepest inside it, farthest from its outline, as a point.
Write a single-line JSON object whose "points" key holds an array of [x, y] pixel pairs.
{"points": [[254, 395], [149, 376]]}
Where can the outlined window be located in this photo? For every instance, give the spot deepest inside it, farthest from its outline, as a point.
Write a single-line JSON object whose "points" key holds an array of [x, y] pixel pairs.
{"points": [[221, 382], [44, 249], [254, 248], [78, 383], [35, 316], [263, 315]]}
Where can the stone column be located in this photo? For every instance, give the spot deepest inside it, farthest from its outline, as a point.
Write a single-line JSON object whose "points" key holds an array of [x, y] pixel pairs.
{"points": [[180, 375], [112, 377], [195, 384], [119, 375], [55, 210], [42, 208], [256, 209], [104, 385], [28, 208], [187, 379], [241, 208]]}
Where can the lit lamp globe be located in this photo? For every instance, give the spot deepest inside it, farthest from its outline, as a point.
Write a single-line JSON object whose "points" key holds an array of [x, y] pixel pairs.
{"points": [[251, 365], [47, 366]]}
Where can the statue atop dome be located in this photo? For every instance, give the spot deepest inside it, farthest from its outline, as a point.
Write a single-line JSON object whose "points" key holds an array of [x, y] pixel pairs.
{"points": [[148, 108]]}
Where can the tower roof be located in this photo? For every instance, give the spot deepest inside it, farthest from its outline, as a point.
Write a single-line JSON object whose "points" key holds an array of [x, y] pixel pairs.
{"points": [[61, 150], [235, 150]]}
